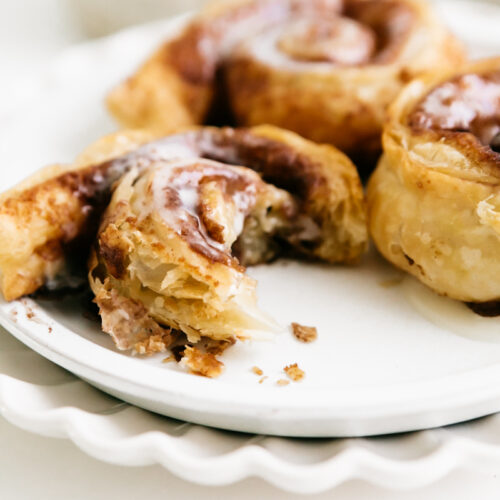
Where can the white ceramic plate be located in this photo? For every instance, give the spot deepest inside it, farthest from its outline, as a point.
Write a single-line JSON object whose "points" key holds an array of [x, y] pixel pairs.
{"points": [[390, 356]]}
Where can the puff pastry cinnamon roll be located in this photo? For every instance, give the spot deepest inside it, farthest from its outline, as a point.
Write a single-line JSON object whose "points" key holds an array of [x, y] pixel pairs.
{"points": [[188, 212], [326, 69], [173, 241], [434, 199]]}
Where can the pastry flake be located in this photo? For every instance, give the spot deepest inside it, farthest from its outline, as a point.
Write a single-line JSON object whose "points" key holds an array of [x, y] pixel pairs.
{"points": [[200, 363], [294, 373], [305, 334], [257, 371]]}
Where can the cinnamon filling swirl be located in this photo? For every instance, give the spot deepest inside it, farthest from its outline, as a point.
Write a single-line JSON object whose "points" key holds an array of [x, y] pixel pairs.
{"points": [[203, 193], [469, 103], [278, 163], [207, 203], [390, 21], [198, 183], [337, 40]]}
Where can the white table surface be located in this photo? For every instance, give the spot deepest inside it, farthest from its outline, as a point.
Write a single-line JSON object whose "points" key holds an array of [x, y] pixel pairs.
{"points": [[32, 32]]}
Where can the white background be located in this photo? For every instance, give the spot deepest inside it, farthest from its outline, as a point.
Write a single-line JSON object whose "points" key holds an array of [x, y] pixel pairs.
{"points": [[33, 32]]}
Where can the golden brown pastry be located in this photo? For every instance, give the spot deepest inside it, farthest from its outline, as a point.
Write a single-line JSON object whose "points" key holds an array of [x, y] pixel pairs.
{"points": [[188, 212], [434, 199], [54, 214], [173, 241], [326, 69]]}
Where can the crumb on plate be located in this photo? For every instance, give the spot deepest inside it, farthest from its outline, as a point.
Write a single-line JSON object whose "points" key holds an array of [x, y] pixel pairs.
{"points": [[200, 363], [304, 333], [294, 373], [282, 382], [257, 370]]}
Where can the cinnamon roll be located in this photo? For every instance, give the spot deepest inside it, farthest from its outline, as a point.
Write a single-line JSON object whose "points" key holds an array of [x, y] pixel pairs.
{"points": [[326, 69], [173, 241], [434, 199], [183, 215]]}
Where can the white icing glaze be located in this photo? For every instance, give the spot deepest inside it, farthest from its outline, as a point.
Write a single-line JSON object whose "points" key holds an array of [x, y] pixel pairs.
{"points": [[169, 148], [251, 26], [455, 104], [189, 198], [350, 44], [266, 13], [176, 199], [264, 48], [337, 40]]}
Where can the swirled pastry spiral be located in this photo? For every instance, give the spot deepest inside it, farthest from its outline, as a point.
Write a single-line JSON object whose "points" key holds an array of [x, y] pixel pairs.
{"points": [[175, 237], [434, 199], [326, 69], [188, 212]]}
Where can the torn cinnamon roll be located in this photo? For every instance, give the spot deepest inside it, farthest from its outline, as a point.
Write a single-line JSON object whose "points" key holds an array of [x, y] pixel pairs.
{"points": [[326, 69], [177, 235], [434, 202], [166, 245], [187, 213]]}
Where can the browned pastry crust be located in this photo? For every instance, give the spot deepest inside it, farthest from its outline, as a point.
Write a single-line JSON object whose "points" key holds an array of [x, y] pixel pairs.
{"points": [[434, 197], [326, 69]]}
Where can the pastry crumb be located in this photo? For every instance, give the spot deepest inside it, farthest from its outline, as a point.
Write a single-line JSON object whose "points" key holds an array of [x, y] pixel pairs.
{"points": [[303, 333], [199, 363], [30, 313], [27, 308], [50, 329], [294, 373], [282, 382], [13, 314], [257, 370], [262, 379]]}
